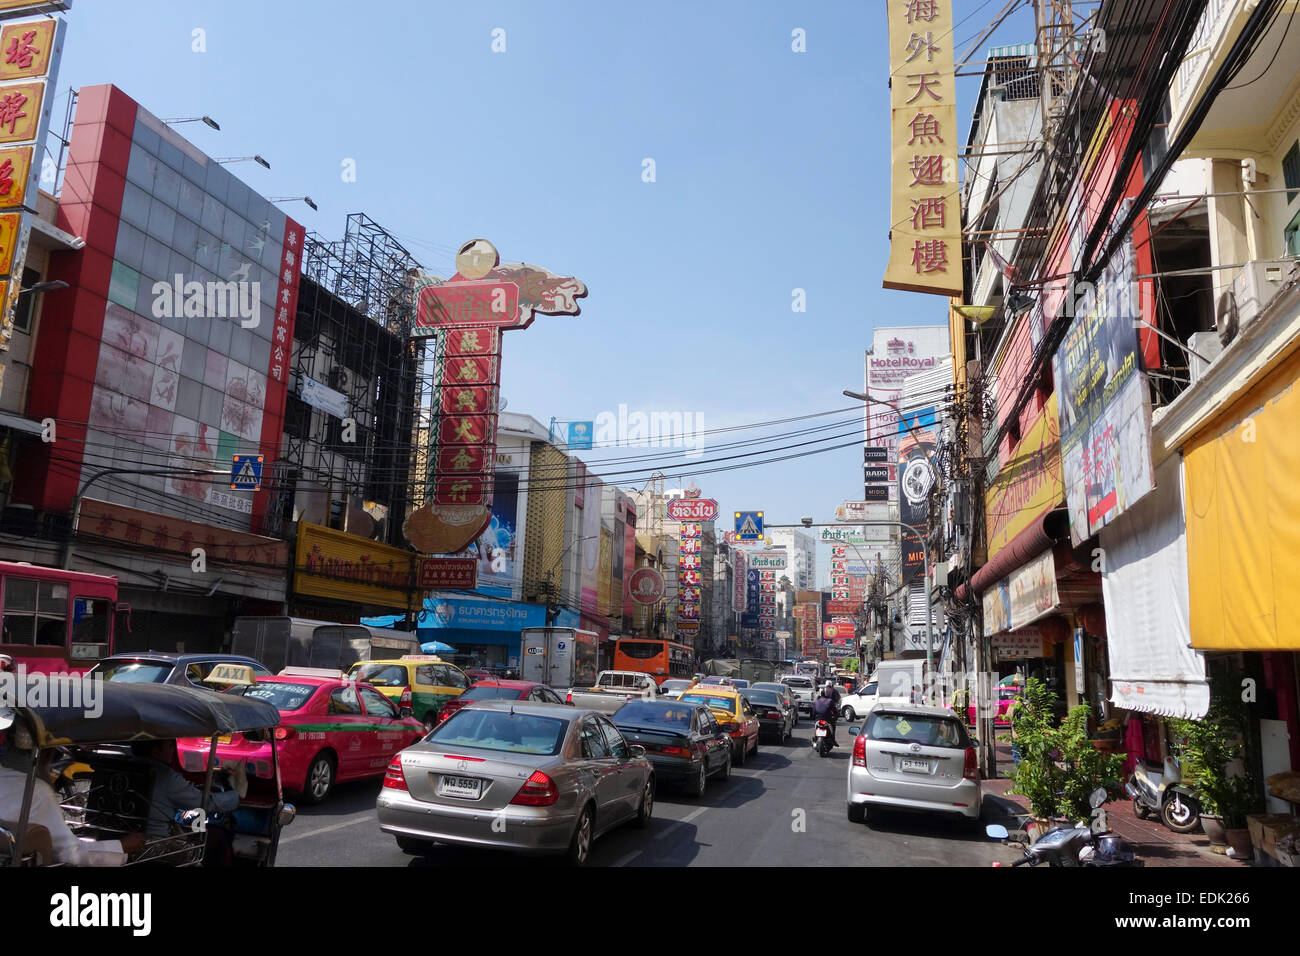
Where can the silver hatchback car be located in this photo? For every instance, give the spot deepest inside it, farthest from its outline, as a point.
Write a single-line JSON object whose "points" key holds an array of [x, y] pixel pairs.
{"points": [[915, 758], [538, 778]]}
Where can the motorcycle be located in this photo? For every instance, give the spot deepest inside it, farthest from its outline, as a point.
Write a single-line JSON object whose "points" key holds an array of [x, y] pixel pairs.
{"points": [[822, 737], [1087, 843], [1162, 793]]}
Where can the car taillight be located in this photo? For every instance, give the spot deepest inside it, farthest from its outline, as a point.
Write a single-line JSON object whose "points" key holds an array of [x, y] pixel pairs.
{"points": [[675, 751], [539, 790], [569, 698], [405, 699], [395, 776], [972, 769], [773, 715], [859, 751], [285, 733]]}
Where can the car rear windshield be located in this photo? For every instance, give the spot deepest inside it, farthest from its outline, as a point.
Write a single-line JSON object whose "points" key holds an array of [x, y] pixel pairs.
{"points": [[674, 685], [763, 697], [490, 693], [383, 675], [517, 733], [799, 682], [709, 700], [133, 672], [280, 696], [644, 714], [920, 729]]}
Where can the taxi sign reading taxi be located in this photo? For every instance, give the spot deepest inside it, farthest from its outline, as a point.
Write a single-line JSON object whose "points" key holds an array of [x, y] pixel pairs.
{"points": [[246, 473], [749, 525]]}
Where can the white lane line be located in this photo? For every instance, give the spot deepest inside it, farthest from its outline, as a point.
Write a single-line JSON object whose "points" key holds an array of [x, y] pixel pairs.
{"points": [[625, 860], [342, 825], [681, 823]]}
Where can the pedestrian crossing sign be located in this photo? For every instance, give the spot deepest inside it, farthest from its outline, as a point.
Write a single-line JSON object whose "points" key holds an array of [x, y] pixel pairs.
{"points": [[246, 473], [749, 525]]}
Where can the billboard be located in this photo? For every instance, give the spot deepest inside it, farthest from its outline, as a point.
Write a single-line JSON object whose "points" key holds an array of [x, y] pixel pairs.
{"points": [[915, 479], [896, 353], [500, 562], [1105, 405]]}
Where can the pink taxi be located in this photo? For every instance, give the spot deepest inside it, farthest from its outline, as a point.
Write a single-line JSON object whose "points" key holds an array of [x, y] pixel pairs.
{"points": [[330, 730]]}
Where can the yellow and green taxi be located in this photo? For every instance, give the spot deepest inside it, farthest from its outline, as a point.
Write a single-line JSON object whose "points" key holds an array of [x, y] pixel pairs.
{"points": [[732, 711], [422, 682]]}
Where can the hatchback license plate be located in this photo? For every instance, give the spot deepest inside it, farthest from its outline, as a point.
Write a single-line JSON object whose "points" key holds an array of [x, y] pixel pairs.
{"points": [[821, 732], [914, 766], [465, 787]]}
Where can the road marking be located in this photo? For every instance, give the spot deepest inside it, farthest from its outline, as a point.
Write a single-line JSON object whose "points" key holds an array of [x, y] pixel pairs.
{"points": [[625, 860], [342, 825], [680, 823]]}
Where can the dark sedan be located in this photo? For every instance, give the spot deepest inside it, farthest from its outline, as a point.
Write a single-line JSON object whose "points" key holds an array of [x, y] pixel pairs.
{"points": [[500, 690], [167, 667], [684, 742], [773, 717]]}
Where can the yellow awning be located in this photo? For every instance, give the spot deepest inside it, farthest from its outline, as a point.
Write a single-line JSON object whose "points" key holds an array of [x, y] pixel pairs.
{"points": [[1243, 521]]}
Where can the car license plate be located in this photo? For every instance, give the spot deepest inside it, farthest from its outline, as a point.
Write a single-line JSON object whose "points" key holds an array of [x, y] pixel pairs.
{"points": [[914, 766], [821, 732], [224, 740], [467, 788]]}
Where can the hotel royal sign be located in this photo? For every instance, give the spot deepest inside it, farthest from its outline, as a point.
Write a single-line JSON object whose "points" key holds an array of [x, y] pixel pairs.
{"points": [[925, 205]]}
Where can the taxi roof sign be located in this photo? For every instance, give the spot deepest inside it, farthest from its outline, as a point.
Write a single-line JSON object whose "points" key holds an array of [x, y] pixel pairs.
{"points": [[229, 675]]}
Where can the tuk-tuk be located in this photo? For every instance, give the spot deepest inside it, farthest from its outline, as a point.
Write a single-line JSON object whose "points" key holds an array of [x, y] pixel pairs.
{"points": [[106, 791]]}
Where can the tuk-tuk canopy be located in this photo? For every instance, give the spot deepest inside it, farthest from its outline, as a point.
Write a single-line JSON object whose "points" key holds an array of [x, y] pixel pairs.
{"points": [[149, 712]]}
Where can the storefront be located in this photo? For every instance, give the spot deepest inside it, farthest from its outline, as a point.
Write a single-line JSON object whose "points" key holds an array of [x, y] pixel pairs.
{"points": [[485, 633], [341, 577]]}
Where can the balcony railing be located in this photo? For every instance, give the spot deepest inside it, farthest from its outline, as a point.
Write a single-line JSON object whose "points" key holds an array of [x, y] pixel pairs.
{"points": [[1207, 33]]}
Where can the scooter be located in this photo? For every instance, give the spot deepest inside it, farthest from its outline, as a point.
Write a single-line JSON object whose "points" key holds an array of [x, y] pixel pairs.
{"points": [[1087, 843], [1162, 793], [822, 737]]}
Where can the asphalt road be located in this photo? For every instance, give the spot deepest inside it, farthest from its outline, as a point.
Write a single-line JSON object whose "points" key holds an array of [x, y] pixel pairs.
{"points": [[785, 806]]}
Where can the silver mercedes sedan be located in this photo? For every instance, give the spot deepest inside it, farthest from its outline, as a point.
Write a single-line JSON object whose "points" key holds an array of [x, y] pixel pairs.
{"points": [[537, 778]]}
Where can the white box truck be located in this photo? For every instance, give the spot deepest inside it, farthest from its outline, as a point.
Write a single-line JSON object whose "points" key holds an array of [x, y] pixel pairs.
{"points": [[900, 682], [559, 657]]}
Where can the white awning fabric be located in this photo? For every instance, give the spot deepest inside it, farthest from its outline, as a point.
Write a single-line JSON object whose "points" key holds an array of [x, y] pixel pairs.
{"points": [[1153, 668]]}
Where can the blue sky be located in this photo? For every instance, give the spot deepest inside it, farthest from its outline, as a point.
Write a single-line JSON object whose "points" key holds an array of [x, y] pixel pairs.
{"points": [[771, 174]]}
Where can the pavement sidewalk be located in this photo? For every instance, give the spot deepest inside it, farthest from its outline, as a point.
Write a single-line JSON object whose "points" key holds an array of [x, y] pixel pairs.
{"points": [[1153, 842]]}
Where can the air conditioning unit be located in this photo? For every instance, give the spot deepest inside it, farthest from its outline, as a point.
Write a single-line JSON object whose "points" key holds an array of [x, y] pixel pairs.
{"points": [[1205, 348], [1252, 290]]}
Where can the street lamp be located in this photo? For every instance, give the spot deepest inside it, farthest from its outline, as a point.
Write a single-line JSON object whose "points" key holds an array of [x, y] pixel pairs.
{"points": [[52, 286], [206, 120], [306, 199], [244, 159]]}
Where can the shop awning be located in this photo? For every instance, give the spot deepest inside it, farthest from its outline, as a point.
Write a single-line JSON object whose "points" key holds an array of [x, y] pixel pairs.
{"points": [[1153, 668], [1243, 520], [1023, 548], [18, 423]]}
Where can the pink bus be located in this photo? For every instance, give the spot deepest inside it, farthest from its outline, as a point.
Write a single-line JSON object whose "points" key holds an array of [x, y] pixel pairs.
{"points": [[53, 620]]}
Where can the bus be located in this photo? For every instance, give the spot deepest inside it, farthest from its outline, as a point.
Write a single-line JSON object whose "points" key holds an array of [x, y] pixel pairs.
{"points": [[55, 621], [663, 660], [811, 669]]}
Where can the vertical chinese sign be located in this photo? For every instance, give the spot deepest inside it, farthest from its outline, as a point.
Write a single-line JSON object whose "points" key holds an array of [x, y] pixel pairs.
{"points": [[925, 208], [767, 606], [693, 513], [840, 587], [467, 314], [29, 65]]}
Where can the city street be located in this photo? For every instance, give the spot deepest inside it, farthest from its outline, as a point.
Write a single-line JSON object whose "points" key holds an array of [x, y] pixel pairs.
{"points": [[749, 820]]}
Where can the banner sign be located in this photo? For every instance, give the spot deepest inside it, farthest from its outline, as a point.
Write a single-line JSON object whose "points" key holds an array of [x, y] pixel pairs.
{"points": [[915, 479], [768, 560], [1105, 405], [461, 573], [739, 589], [692, 509], [1029, 485], [1022, 597], [925, 209]]}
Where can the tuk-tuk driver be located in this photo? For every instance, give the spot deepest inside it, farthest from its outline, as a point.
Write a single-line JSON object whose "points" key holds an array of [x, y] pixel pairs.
{"points": [[45, 811], [172, 792]]}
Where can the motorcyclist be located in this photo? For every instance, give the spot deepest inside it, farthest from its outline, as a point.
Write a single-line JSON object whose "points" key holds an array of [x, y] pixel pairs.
{"points": [[827, 707]]}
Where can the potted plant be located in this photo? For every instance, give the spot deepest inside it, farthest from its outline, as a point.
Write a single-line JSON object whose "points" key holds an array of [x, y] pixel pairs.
{"points": [[1059, 767]]}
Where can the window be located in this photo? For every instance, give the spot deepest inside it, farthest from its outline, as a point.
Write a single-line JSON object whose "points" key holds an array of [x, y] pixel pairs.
{"points": [[1290, 173], [383, 675], [640, 650], [498, 730], [617, 745], [448, 676], [283, 697], [424, 675], [593, 741], [35, 613], [377, 705], [90, 621], [344, 702]]}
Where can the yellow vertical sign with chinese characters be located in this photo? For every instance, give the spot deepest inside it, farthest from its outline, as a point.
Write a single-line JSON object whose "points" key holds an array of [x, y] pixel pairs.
{"points": [[925, 203]]}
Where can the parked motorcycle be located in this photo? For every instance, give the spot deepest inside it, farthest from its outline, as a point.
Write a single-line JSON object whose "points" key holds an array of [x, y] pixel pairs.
{"points": [[1161, 793], [1087, 843], [822, 737]]}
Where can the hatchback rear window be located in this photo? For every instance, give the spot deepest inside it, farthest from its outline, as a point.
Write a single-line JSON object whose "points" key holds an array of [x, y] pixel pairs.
{"points": [[916, 729], [647, 713], [491, 693], [280, 696], [133, 672], [708, 700]]}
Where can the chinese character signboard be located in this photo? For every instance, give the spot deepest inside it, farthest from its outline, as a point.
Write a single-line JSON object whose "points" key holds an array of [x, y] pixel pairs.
{"points": [[739, 588], [692, 509], [448, 573], [467, 314], [925, 214]]}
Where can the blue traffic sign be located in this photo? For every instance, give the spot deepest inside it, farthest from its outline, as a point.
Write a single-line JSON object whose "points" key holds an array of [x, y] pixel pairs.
{"points": [[749, 525], [246, 473]]}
